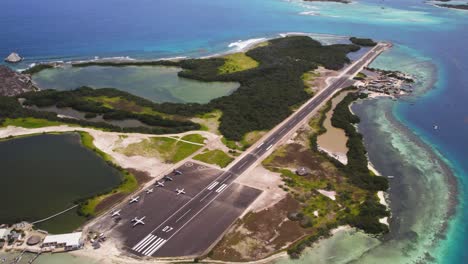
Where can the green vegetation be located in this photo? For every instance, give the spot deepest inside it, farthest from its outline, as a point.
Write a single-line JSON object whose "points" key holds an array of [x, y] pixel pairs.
{"points": [[454, 6], [262, 101], [250, 138], [216, 156], [360, 76], [307, 78], [113, 105], [356, 168], [126, 63], [356, 188], [29, 122], [363, 41], [209, 121], [266, 96], [37, 68], [195, 138], [123, 104], [128, 184], [166, 149], [237, 62]]}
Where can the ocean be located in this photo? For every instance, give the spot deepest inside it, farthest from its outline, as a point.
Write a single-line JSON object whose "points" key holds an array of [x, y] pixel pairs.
{"points": [[430, 43]]}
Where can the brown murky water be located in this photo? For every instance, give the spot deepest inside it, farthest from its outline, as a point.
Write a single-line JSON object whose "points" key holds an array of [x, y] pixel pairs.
{"points": [[334, 140]]}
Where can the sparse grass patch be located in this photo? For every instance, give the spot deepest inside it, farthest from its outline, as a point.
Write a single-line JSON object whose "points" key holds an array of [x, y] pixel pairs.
{"points": [[128, 184], [195, 138], [166, 149], [119, 103], [307, 77], [237, 62], [231, 144], [31, 122], [216, 156], [252, 137], [209, 121]]}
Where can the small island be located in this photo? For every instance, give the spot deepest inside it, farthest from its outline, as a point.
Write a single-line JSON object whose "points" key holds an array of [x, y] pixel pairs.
{"points": [[13, 58], [449, 4], [307, 192], [363, 41]]}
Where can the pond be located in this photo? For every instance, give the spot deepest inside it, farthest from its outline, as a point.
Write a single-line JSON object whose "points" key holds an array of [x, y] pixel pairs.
{"points": [[156, 83], [45, 174]]}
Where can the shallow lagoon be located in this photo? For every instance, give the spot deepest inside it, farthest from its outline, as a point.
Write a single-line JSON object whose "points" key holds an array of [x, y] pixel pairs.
{"points": [[43, 175], [156, 83]]}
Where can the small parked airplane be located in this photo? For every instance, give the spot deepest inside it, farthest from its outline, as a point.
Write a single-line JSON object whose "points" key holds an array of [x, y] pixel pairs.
{"points": [[177, 172], [180, 191], [159, 184], [149, 190], [168, 178], [116, 213], [137, 221], [134, 199]]}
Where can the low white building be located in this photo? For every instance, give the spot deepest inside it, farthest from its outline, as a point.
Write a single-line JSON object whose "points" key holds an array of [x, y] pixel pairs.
{"points": [[69, 241]]}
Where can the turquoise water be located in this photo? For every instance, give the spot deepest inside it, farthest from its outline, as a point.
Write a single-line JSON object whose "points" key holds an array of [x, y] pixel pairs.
{"points": [[430, 41], [156, 83]]}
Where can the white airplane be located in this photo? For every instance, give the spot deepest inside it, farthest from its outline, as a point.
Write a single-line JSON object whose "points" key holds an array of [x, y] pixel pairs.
{"points": [[116, 213], [134, 199], [137, 221], [149, 190], [177, 172], [180, 191], [160, 184]]}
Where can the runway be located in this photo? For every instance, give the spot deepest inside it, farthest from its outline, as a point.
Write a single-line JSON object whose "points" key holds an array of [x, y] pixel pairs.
{"points": [[187, 225]]}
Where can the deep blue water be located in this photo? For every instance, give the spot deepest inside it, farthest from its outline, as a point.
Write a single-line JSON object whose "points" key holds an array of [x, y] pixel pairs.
{"points": [[63, 30]]}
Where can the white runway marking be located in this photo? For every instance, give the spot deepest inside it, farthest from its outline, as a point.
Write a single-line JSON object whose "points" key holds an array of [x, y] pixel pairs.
{"points": [[178, 219], [149, 248], [140, 247], [260, 145], [243, 164], [156, 248], [221, 188], [269, 147], [201, 200], [142, 241], [211, 186], [150, 244]]}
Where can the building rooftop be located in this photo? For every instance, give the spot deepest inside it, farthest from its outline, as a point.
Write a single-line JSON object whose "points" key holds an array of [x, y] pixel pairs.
{"points": [[71, 239]]}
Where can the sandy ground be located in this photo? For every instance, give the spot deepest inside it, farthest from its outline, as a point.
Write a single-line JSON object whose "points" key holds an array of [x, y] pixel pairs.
{"points": [[108, 141], [341, 157], [320, 82], [268, 182]]}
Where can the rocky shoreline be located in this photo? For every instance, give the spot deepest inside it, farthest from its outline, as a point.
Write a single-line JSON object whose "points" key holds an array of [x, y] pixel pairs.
{"points": [[13, 83]]}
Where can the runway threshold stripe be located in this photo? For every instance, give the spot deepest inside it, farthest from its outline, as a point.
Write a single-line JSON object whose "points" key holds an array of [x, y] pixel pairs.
{"points": [[269, 147], [212, 185], [221, 188], [142, 241], [154, 250], [152, 246], [142, 246]]}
